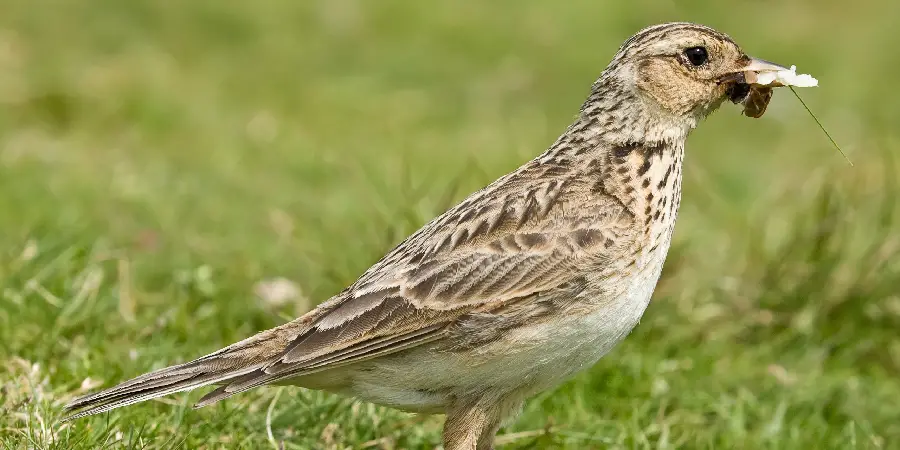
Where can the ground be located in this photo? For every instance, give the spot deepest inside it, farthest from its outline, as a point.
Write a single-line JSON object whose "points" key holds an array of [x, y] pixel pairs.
{"points": [[159, 160]]}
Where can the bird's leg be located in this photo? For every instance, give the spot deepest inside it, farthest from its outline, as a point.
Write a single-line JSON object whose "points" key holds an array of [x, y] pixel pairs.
{"points": [[474, 425], [471, 426]]}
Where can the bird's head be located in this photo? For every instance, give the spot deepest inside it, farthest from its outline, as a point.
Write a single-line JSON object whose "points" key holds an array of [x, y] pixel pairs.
{"points": [[675, 74]]}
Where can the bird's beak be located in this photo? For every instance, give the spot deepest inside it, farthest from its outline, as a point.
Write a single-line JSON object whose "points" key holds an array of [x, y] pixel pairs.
{"points": [[746, 72], [756, 66], [761, 65]]}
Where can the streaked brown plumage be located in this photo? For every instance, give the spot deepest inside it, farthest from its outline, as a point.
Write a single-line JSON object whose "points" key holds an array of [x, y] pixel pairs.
{"points": [[522, 284]]}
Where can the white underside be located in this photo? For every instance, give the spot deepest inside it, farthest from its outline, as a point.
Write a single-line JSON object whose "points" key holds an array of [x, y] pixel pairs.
{"points": [[530, 359]]}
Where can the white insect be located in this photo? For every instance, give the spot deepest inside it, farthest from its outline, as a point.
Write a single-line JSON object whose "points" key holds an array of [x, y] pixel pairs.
{"points": [[785, 77]]}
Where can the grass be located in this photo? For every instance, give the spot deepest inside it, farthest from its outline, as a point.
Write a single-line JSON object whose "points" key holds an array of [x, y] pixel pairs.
{"points": [[157, 161]]}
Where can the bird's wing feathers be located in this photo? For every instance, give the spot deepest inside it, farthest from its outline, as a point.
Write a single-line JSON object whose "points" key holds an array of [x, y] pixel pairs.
{"points": [[507, 242], [488, 251]]}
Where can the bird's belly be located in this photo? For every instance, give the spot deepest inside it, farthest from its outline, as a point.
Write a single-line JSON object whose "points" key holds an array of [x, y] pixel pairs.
{"points": [[556, 350], [526, 360], [559, 348]]}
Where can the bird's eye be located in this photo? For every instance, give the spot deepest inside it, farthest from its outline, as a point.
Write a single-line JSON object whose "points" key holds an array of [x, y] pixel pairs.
{"points": [[697, 55]]}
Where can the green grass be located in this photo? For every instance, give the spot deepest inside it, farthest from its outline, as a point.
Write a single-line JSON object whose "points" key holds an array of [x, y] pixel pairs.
{"points": [[156, 162]]}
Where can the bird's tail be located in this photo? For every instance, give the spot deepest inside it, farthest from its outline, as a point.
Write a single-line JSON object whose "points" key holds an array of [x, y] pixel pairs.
{"points": [[218, 367]]}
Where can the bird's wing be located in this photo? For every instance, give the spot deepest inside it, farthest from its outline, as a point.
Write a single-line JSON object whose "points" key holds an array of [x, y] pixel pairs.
{"points": [[497, 247], [514, 239]]}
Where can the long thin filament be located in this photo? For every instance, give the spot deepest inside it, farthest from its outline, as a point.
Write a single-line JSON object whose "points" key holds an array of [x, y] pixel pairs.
{"points": [[820, 125]]}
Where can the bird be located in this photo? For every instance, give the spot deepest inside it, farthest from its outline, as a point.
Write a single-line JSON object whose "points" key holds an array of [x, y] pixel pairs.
{"points": [[524, 283]]}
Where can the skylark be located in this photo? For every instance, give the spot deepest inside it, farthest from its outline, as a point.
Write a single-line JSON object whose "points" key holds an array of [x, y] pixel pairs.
{"points": [[521, 285]]}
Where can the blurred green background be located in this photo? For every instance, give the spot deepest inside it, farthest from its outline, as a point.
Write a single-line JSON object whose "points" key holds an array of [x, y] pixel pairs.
{"points": [[159, 160]]}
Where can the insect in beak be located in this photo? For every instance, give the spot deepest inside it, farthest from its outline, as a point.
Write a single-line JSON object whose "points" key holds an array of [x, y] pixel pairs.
{"points": [[737, 88], [743, 87]]}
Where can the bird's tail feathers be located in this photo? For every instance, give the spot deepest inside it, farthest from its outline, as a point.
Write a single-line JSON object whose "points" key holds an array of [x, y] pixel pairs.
{"points": [[216, 368], [161, 383]]}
